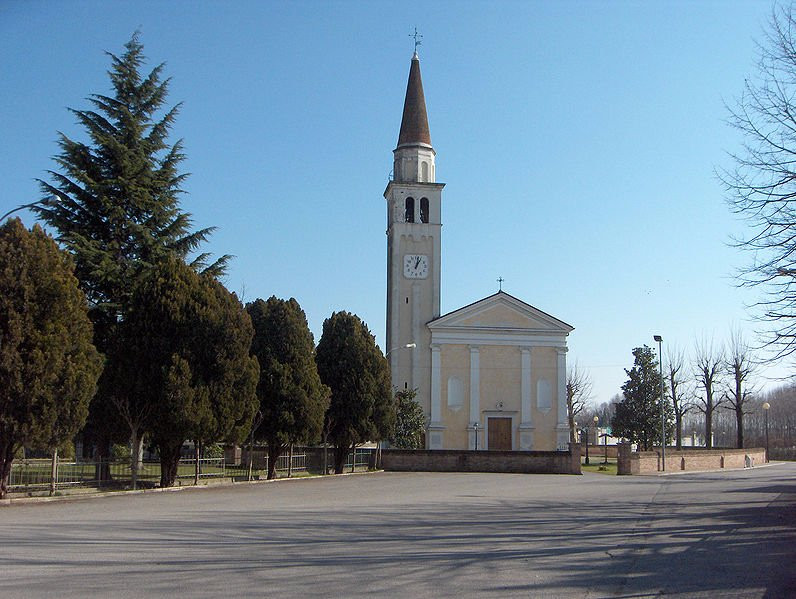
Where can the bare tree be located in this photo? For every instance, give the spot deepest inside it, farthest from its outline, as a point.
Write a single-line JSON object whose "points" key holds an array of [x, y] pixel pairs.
{"points": [[681, 393], [708, 362], [761, 187], [579, 388], [739, 365]]}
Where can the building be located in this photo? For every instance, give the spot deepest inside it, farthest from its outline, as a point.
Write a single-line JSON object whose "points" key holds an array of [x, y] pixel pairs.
{"points": [[490, 375]]}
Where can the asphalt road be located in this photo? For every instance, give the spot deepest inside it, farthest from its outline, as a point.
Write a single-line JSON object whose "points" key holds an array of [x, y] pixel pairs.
{"points": [[722, 534]]}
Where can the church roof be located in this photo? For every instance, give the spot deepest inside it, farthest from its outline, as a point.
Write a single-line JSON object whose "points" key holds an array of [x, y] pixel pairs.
{"points": [[414, 124], [501, 312]]}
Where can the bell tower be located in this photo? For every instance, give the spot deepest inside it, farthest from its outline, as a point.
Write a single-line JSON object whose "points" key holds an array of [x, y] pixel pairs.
{"points": [[414, 227]]}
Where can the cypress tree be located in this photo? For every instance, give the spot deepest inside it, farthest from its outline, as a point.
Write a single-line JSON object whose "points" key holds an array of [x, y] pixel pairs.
{"points": [[351, 364], [292, 398], [187, 342], [48, 365]]}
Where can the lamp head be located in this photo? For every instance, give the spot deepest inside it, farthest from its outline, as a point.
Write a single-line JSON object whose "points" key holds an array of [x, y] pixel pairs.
{"points": [[596, 419], [657, 338], [766, 405]]}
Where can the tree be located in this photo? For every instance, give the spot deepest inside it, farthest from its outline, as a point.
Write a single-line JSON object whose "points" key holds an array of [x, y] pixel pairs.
{"points": [[682, 396], [708, 362], [739, 366], [352, 366], [48, 365], [762, 184], [187, 343], [115, 203], [410, 421], [579, 386], [292, 398], [638, 415]]}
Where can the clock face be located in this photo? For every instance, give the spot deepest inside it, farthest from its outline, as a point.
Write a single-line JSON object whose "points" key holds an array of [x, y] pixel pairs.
{"points": [[415, 266]]}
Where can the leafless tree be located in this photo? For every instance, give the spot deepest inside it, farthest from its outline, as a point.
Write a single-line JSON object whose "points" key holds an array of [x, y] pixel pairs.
{"points": [[681, 392], [761, 187], [708, 362], [739, 366], [579, 388]]}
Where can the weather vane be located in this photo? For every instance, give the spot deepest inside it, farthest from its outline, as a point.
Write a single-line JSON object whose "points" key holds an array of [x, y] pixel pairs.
{"points": [[417, 37], [500, 283]]}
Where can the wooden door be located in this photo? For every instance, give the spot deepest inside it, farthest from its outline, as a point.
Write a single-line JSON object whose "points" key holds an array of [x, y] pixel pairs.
{"points": [[499, 434]]}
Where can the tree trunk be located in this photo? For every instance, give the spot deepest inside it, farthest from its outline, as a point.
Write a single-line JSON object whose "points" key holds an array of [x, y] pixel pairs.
{"points": [[739, 424], [196, 454], [678, 423], [340, 453], [169, 461], [290, 462], [353, 456], [102, 471], [709, 422], [134, 456], [6, 460], [274, 451]]}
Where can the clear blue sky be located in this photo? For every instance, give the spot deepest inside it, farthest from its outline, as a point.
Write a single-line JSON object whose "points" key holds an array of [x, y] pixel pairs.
{"points": [[577, 141]]}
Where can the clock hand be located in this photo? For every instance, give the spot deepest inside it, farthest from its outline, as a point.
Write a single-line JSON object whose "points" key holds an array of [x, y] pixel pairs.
{"points": [[417, 262]]}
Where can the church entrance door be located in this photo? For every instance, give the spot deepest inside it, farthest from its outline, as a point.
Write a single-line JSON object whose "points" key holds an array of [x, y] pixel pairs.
{"points": [[499, 434]]}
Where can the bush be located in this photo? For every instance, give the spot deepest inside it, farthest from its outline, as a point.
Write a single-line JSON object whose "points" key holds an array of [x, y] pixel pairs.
{"points": [[214, 451], [120, 451]]}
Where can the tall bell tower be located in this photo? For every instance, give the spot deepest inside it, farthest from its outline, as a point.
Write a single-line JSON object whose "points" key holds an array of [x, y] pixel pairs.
{"points": [[414, 227]]}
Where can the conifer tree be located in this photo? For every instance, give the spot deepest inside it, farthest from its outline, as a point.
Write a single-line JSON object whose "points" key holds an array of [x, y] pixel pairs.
{"points": [[187, 343], [292, 398], [351, 364], [410, 421], [638, 415], [114, 201], [48, 365]]}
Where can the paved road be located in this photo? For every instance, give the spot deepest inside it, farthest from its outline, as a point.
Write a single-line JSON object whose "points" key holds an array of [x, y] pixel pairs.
{"points": [[727, 534]]}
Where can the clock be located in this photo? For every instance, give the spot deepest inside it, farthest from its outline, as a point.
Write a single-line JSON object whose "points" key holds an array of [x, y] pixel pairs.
{"points": [[415, 266]]}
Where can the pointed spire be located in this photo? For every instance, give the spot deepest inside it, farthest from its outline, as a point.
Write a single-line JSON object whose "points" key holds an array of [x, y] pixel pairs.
{"points": [[414, 124]]}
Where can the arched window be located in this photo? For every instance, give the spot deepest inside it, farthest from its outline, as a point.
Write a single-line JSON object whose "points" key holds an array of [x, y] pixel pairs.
{"points": [[424, 172], [409, 212], [423, 210]]}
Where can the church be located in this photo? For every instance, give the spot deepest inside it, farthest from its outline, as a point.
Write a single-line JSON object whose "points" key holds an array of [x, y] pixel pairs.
{"points": [[490, 375]]}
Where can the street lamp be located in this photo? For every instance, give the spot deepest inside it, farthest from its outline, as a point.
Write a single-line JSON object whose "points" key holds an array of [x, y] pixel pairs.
{"points": [[659, 339], [475, 428], [766, 407]]}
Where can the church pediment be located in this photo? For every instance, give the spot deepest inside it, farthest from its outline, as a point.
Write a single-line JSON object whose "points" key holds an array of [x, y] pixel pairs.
{"points": [[501, 312]]}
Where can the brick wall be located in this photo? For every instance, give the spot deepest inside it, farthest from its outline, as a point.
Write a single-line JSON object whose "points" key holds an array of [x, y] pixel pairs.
{"points": [[649, 462], [523, 462]]}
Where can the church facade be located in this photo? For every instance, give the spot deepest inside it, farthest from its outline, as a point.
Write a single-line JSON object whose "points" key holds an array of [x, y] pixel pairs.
{"points": [[490, 375]]}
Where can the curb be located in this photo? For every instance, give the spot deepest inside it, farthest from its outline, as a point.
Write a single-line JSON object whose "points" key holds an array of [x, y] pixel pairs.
{"points": [[11, 501]]}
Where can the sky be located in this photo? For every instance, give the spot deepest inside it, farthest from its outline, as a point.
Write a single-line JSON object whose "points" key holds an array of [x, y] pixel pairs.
{"points": [[578, 141]]}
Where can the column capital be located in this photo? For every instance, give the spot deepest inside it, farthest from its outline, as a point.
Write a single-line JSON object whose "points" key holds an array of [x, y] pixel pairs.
{"points": [[562, 350], [474, 349]]}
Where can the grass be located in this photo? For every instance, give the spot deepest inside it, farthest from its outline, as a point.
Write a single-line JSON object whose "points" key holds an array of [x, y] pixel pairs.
{"points": [[597, 465]]}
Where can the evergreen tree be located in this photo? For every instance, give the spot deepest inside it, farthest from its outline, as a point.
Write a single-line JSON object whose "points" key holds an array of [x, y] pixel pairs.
{"points": [[351, 364], [48, 365], [638, 415], [292, 398], [187, 342], [410, 421], [115, 201]]}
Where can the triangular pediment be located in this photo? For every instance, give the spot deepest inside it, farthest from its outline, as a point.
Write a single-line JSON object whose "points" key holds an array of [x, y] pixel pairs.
{"points": [[501, 312]]}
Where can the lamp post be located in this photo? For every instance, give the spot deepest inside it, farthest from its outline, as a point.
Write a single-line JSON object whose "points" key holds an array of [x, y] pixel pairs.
{"points": [[475, 428], [585, 432], [597, 430], [766, 407], [659, 339]]}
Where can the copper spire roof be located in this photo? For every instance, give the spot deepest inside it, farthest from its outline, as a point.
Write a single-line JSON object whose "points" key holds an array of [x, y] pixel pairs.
{"points": [[414, 124]]}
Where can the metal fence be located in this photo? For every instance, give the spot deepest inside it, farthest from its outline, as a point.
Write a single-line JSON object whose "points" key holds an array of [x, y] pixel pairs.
{"points": [[40, 474]]}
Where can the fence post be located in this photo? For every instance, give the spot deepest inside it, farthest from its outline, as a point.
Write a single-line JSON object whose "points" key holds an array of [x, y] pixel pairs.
{"points": [[54, 471]]}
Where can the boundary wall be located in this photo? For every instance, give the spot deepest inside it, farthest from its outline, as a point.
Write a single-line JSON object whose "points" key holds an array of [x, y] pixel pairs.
{"points": [[684, 460], [449, 460]]}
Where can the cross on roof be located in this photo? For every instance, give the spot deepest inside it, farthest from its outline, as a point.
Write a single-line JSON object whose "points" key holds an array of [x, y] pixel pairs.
{"points": [[416, 35], [500, 283]]}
